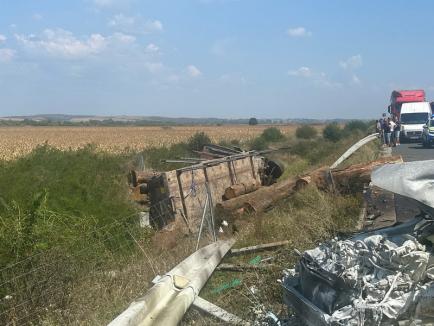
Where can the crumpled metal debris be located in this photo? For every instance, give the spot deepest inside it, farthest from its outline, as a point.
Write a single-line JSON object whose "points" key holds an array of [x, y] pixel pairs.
{"points": [[373, 278]]}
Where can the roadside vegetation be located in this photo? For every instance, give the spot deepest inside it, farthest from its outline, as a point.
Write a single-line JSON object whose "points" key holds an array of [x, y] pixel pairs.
{"points": [[70, 240]]}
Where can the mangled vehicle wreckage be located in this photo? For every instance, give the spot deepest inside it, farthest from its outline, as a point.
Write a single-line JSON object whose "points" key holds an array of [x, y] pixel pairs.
{"points": [[383, 277]]}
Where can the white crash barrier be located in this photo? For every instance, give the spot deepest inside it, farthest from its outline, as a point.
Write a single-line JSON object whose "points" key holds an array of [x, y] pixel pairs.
{"points": [[168, 300]]}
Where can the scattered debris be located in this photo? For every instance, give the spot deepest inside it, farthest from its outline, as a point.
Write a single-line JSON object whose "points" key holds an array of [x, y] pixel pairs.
{"points": [[255, 261], [235, 282]]}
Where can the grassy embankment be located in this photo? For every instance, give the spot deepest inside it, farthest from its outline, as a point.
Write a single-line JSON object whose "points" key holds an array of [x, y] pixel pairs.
{"points": [[73, 252]]}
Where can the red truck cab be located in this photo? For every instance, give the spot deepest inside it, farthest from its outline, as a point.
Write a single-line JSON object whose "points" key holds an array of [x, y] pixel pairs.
{"points": [[404, 96]]}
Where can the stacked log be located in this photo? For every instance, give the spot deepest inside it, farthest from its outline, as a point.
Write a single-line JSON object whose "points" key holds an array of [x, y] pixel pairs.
{"points": [[239, 189], [139, 182], [350, 178], [139, 177], [138, 195]]}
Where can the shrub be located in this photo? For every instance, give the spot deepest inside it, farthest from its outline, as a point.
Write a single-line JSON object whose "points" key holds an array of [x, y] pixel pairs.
{"points": [[259, 143], [332, 132], [272, 134], [306, 132], [155, 156], [313, 150], [253, 121], [197, 141], [356, 125]]}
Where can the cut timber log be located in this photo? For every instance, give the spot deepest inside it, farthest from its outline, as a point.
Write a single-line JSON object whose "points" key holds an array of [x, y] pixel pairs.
{"points": [[350, 178], [138, 196], [241, 189], [138, 177]]}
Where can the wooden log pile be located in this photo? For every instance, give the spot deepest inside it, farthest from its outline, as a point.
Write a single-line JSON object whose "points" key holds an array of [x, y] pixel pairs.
{"points": [[348, 179], [239, 189], [139, 185]]}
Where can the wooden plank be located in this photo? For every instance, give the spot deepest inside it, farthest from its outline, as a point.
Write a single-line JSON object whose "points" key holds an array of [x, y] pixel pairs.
{"points": [[243, 267], [217, 312], [260, 247]]}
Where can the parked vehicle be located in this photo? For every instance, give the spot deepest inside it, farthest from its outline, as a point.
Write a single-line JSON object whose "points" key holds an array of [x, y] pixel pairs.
{"points": [[405, 96], [413, 117], [428, 133]]}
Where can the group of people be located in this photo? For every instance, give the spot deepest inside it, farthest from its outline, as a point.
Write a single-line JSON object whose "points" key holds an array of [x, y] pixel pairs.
{"points": [[389, 130]]}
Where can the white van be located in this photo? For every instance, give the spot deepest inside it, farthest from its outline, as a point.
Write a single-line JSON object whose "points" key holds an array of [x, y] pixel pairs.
{"points": [[414, 116]]}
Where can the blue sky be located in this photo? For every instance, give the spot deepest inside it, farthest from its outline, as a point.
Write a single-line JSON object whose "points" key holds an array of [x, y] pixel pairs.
{"points": [[213, 58]]}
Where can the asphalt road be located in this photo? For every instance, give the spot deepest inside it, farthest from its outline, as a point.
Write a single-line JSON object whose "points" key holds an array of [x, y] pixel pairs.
{"points": [[414, 152], [406, 208]]}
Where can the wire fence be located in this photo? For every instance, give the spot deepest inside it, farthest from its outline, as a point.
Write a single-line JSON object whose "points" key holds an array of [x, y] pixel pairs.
{"points": [[32, 286]]}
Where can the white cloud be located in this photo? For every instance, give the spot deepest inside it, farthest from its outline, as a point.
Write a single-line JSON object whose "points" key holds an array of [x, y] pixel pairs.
{"points": [[174, 78], [61, 43], [3, 38], [298, 32], [193, 71], [353, 62], [233, 79], [355, 80], [318, 78], [37, 17], [135, 24], [124, 38], [64, 44], [305, 72], [154, 67], [152, 48], [6, 55]]}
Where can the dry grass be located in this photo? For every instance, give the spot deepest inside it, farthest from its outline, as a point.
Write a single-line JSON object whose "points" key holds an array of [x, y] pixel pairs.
{"points": [[18, 141]]}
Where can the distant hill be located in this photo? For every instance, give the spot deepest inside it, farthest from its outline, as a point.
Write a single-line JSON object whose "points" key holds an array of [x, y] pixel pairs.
{"points": [[66, 119]]}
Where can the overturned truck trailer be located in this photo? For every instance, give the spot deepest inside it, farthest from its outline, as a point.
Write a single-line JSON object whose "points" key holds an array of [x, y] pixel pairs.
{"points": [[178, 197]]}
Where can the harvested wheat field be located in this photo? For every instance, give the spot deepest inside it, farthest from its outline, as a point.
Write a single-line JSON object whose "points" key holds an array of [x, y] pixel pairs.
{"points": [[17, 141]]}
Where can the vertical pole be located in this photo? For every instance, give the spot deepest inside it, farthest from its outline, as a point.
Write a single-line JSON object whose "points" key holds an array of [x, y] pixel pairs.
{"points": [[201, 222], [211, 209]]}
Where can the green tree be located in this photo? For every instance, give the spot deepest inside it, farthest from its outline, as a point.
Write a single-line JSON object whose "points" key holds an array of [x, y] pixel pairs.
{"points": [[198, 140], [272, 134], [332, 132], [253, 121]]}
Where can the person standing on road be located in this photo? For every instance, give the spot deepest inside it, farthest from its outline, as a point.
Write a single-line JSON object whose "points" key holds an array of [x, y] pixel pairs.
{"points": [[397, 132], [382, 123], [392, 125], [378, 126], [387, 132]]}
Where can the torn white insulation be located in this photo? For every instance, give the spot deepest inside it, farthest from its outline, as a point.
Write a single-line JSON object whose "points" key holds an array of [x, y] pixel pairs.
{"points": [[376, 278], [411, 179]]}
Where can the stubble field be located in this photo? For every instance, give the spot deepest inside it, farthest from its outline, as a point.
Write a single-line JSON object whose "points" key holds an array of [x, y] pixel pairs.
{"points": [[18, 141]]}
